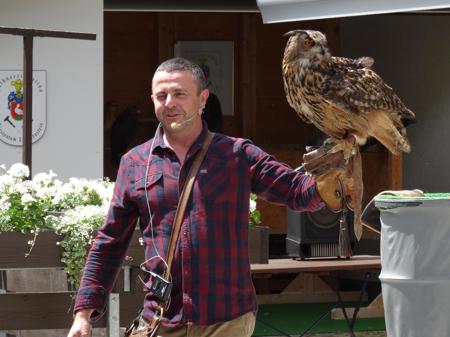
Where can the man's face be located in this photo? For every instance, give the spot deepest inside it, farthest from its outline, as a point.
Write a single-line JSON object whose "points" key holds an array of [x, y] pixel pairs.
{"points": [[177, 98]]}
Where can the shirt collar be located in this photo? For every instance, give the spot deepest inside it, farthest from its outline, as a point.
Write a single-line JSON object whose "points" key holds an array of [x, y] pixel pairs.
{"points": [[159, 144]]}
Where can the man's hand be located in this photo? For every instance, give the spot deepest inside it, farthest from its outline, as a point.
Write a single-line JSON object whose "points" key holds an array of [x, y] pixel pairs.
{"points": [[329, 188], [333, 175], [81, 326]]}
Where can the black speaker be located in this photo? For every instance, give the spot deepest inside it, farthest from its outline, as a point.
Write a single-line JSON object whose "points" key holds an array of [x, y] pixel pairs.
{"points": [[315, 234]]}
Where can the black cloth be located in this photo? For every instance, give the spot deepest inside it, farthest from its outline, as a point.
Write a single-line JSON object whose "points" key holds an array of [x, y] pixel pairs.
{"points": [[123, 132], [212, 113]]}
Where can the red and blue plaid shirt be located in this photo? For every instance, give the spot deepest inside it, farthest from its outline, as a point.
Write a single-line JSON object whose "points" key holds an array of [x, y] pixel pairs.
{"points": [[211, 270]]}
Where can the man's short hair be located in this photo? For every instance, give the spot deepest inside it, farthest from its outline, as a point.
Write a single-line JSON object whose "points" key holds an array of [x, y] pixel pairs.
{"points": [[182, 64]]}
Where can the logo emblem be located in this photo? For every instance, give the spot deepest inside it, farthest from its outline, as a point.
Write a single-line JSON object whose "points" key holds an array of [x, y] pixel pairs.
{"points": [[12, 106]]}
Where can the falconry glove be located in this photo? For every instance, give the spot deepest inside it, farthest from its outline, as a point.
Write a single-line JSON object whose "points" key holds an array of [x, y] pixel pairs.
{"points": [[333, 175]]}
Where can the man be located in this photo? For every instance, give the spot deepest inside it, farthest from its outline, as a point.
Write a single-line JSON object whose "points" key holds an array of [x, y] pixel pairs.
{"points": [[212, 293]]}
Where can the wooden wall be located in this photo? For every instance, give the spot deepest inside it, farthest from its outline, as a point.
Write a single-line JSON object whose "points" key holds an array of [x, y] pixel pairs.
{"points": [[136, 42]]}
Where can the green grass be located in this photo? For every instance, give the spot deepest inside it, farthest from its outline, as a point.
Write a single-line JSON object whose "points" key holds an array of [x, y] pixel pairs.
{"points": [[296, 318]]}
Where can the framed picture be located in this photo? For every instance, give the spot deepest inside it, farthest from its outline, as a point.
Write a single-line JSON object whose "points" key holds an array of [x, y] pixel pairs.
{"points": [[217, 61]]}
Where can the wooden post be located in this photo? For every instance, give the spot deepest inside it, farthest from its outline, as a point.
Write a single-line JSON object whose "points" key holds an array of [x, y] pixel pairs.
{"points": [[28, 99], [113, 319], [248, 75], [28, 35], [395, 171]]}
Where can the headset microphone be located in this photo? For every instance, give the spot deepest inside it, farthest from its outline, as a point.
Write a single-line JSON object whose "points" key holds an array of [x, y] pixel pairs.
{"points": [[176, 125]]}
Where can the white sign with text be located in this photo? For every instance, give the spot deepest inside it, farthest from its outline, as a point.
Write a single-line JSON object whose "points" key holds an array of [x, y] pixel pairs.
{"points": [[12, 106]]}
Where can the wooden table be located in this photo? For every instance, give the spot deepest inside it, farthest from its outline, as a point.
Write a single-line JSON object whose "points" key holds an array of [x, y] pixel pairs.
{"points": [[313, 282], [318, 280], [358, 262]]}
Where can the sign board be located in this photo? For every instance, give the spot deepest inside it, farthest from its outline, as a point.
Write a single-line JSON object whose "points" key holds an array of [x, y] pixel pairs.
{"points": [[12, 106]]}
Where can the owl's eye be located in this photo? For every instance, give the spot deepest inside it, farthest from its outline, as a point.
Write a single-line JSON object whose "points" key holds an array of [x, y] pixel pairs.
{"points": [[309, 43]]}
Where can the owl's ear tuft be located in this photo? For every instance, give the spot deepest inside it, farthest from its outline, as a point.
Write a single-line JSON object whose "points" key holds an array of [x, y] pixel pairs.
{"points": [[294, 32]]}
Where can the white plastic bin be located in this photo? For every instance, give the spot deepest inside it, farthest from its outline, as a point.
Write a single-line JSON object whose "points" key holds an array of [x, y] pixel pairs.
{"points": [[415, 262]]}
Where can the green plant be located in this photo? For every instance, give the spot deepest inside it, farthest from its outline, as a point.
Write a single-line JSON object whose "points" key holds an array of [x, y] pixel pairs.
{"points": [[74, 210], [254, 214]]}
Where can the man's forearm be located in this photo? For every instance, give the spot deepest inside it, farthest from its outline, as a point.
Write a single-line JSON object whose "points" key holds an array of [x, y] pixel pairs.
{"points": [[83, 314]]}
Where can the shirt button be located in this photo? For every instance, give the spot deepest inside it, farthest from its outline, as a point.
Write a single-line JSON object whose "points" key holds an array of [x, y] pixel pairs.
{"points": [[185, 233]]}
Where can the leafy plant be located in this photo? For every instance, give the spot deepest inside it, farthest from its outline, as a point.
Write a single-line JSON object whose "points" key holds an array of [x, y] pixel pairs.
{"points": [[254, 214], [74, 210]]}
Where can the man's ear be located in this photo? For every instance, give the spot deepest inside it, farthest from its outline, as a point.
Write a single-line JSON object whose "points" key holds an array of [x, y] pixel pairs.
{"points": [[203, 97]]}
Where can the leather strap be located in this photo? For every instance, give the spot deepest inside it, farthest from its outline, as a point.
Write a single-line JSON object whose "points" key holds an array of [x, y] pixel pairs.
{"points": [[183, 201]]}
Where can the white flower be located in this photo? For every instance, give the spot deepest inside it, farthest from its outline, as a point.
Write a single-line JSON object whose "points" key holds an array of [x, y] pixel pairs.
{"points": [[23, 187], [4, 203], [45, 185], [44, 179], [252, 205], [27, 198], [19, 171], [6, 182]]}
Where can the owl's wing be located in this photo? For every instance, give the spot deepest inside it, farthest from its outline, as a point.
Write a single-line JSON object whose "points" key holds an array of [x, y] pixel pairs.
{"points": [[361, 62], [359, 90]]}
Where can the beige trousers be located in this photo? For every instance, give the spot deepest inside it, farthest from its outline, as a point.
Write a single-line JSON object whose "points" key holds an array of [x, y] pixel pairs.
{"points": [[242, 326]]}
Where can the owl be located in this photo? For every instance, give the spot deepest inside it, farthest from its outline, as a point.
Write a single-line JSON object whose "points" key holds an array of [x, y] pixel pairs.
{"points": [[344, 98]]}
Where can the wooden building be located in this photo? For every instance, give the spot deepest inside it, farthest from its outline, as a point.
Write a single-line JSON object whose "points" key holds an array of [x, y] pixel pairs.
{"points": [[136, 42]]}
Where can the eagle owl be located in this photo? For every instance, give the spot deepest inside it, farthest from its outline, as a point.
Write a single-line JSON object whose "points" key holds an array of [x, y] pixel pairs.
{"points": [[344, 98]]}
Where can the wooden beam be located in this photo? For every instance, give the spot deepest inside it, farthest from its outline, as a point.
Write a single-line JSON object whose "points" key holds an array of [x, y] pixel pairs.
{"points": [[358, 262], [113, 316], [306, 288], [246, 95], [53, 310], [165, 36], [47, 33], [395, 171], [374, 309], [28, 101]]}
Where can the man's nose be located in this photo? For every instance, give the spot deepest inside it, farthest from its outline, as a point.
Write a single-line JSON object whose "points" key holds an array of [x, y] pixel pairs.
{"points": [[170, 101]]}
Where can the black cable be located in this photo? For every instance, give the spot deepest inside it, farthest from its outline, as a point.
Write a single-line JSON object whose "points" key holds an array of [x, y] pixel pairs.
{"points": [[317, 321]]}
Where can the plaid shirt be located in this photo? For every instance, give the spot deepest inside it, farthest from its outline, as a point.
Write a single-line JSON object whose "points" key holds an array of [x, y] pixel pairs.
{"points": [[211, 270]]}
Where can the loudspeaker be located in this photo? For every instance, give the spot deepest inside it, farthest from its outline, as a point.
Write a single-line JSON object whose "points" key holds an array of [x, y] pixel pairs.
{"points": [[315, 234]]}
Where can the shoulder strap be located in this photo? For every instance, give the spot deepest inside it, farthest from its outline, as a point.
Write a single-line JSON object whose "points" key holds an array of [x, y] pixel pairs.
{"points": [[183, 201]]}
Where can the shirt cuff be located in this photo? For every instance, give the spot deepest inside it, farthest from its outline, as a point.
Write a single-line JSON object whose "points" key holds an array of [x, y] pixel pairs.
{"points": [[91, 298]]}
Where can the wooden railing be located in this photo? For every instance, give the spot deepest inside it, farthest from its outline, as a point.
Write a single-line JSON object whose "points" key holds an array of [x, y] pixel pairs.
{"points": [[51, 310]]}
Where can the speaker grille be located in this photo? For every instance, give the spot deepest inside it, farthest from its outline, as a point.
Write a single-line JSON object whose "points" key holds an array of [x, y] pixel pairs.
{"points": [[324, 249]]}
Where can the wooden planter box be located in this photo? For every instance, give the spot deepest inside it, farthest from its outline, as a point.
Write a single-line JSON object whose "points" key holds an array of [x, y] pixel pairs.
{"points": [[46, 253], [258, 244], [24, 310]]}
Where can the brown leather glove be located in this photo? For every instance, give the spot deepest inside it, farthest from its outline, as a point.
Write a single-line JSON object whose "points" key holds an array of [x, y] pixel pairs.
{"points": [[333, 175], [330, 189]]}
